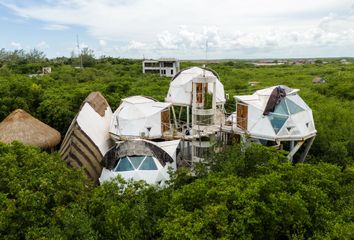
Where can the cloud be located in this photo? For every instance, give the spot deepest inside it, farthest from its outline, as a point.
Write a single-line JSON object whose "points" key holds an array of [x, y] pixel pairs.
{"points": [[136, 45], [84, 45], [16, 45], [167, 40], [335, 23], [42, 45], [185, 38], [55, 27], [184, 27], [102, 43]]}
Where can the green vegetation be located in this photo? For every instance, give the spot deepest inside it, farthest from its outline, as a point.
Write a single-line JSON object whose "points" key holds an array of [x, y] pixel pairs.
{"points": [[257, 194], [250, 194]]}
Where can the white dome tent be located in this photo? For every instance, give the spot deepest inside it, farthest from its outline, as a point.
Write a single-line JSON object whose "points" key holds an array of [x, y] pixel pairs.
{"points": [[139, 116], [180, 91], [140, 160], [290, 119]]}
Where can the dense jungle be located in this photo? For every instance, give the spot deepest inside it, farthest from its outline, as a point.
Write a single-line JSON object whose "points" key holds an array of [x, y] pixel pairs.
{"points": [[252, 193]]}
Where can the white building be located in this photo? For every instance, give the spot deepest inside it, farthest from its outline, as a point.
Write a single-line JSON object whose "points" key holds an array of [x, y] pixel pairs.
{"points": [[168, 67]]}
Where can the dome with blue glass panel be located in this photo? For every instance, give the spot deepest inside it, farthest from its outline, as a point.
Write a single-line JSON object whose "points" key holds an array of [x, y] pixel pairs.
{"points": [[140, 160], [277, 113]]}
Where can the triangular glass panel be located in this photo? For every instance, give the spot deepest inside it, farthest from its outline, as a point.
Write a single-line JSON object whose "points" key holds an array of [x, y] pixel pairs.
{"points": [[136, 160], [277, 121], [281, 108], [293, 107], [148, 164], [124, 165]]}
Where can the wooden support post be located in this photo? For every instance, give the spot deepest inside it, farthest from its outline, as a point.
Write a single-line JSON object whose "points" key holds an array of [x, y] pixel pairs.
{"points": [[292, 143], [182, 150], [188, 117], [307, 149], [180, 113], [294, 150], [214, 102], [174, 116]]}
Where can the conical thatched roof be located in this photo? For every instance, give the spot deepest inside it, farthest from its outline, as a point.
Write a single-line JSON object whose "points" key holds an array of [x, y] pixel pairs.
{"points": [[21, 126]]}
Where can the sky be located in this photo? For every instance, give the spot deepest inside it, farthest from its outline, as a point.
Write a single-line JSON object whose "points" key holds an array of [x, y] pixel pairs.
{"points": [[185, 29]]}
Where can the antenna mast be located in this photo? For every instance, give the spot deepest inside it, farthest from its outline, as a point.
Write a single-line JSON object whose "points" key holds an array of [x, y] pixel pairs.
{"points": [[206, 56], [206, 50], [78, 49]]}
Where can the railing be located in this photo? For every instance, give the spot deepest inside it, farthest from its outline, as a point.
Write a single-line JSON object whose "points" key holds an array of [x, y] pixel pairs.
{"points": [[203, 112]]}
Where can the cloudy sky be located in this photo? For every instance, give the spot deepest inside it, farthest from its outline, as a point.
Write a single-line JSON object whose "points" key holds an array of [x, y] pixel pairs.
{"points": [[181, 28]]}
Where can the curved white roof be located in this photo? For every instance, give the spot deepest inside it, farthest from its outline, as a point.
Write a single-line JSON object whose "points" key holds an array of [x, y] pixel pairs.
{"points": [[144, 167], [180, 91], [137, 100], [138, 107], [291, 120], [135, 115], [95, 126]]}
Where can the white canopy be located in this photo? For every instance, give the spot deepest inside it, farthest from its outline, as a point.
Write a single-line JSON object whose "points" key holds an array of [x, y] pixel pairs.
{"points": [[291, 120], [180, 91], [138, 115]]}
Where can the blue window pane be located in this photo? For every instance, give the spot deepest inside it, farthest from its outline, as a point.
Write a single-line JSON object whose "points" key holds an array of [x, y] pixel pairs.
{"points": [[148, 164], [293, 107], [136, 160], [281, 108], [124, 165], [277, 121]]}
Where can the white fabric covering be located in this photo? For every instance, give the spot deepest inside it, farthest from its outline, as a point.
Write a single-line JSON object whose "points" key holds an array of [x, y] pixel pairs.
{"points": [[135, 115], [180, 91], [96, 126]]}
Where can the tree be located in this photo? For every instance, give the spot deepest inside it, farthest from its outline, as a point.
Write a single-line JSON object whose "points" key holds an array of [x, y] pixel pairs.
{"points": [[39, 194], [289, 202], [35, 55]]}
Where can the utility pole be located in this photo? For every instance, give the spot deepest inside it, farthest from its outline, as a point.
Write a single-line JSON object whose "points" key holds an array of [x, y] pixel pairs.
{"points": [[79, 51]]}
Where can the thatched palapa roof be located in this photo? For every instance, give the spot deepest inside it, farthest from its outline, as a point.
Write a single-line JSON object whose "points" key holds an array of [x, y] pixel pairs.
{"points": [[23, 127]]}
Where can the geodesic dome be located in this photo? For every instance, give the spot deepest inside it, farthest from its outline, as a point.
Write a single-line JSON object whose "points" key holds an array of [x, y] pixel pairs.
{"points": [[180, 91], [140, 160], [291, 118], [137, 116]]}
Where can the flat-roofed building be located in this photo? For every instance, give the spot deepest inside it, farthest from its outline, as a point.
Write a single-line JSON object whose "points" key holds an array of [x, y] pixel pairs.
{"points": [[168, 67]]}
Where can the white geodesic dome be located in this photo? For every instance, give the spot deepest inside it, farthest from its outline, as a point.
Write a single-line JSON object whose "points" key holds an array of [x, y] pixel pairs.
{"points": [[291, 119], [140, 160], [138, 115], [180, 91]]}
